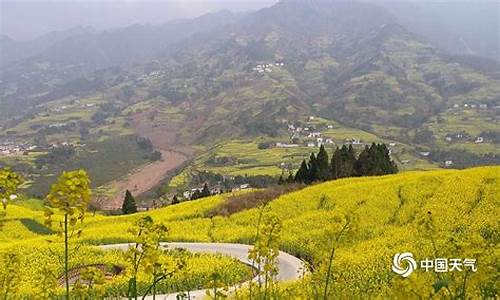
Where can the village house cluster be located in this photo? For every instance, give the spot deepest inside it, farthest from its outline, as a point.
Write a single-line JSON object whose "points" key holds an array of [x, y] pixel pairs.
{"points": [[214, 190], [311, 137], [151, 75], [463, 137], [472, 106], [14, 149], [268, 68]]}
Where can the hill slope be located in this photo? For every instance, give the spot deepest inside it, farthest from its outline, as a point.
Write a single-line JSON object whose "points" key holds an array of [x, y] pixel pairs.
{"points": [[451, 214], [202, 83]]}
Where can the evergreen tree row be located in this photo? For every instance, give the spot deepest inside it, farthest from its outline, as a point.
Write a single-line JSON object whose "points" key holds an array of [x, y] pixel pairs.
{"points": [[373, 160]]}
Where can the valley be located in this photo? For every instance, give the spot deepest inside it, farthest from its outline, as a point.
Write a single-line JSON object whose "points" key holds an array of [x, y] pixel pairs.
{"points": [[319, 149]]}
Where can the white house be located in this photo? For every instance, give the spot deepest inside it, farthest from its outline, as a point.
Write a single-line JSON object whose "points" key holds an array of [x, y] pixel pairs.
{"points": [[448, 163], [329, 141], [310, 145], [283, 145], [425, 153], [479, 140]]}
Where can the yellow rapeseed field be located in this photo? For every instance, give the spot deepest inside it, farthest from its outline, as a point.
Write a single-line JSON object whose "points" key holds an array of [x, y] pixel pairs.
{"points": [[435, 214]]}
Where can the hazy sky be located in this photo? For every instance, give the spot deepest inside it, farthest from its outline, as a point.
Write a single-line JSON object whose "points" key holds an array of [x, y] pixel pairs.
{"points": [[26, 19]]}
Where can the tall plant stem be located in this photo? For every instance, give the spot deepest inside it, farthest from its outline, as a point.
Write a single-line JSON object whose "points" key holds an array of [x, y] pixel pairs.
{"points": [[66, 277]]}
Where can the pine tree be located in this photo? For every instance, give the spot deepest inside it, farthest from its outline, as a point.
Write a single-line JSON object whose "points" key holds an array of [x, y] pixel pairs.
{"points": [[363, 164], [129, 206], [387, 165], [375, 160], [313, 169], [335, 164], [302, 174], [345, 162], [205, 192], [175, 200], [281, 181], [350, 162], [322, 164], [290, 178]]}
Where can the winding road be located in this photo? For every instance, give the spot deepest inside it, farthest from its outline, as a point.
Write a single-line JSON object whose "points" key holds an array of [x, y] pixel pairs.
{"points": [[290, 267]]}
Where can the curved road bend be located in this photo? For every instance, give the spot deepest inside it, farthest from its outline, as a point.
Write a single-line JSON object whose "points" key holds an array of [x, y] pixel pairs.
{"points": [[290, 267]]}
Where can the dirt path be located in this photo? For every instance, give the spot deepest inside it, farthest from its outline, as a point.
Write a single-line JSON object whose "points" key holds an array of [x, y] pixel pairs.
{"points": [[142, 179], [164, 136]]}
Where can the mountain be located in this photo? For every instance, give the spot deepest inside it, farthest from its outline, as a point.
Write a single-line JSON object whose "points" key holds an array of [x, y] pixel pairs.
{"points": [[114, 47], [239, 80], [12, 50], [458, 27], [348, 61]]}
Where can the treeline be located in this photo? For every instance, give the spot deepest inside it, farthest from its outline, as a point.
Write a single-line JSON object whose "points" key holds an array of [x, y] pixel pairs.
{"points": [[373, 160]]}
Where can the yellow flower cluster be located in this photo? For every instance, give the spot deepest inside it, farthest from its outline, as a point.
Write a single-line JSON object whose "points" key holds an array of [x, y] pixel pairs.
{"points": [[39, 272]]}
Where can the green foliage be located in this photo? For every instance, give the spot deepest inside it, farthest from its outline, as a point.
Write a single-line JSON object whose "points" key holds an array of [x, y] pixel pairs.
{"points": [[155, 156], [302, 175], [129, 206], [9, 182], [374, 160], [323, 170], [343, 161]]}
